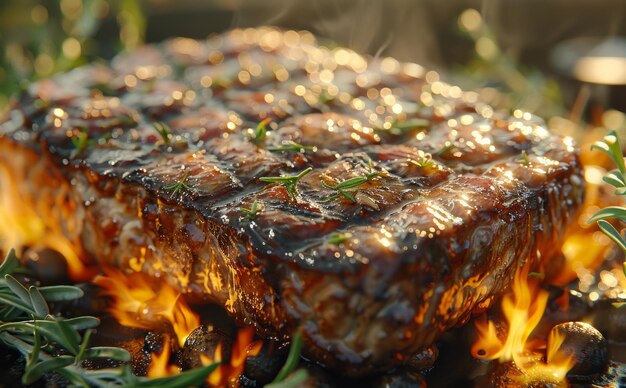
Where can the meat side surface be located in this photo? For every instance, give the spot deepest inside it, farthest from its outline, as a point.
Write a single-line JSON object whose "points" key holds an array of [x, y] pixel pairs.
{"points": [[421, 203]]}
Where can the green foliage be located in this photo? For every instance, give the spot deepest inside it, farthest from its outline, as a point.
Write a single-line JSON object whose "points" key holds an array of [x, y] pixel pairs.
{"points": [[54, 344], [39, 38], [285, 378], [347, 187], [610, 146], [289, 181]]}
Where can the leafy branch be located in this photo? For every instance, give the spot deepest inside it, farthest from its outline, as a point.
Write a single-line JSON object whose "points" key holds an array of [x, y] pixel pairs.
{"points": [[53, 344], [285, 378], [163, 130], [292, 146], [610, 146], [252, 212], [523, 159], [346, 187], [289, 181], [82, 142], [338, 238], [260, 132], [180, 185], [401, 127]]}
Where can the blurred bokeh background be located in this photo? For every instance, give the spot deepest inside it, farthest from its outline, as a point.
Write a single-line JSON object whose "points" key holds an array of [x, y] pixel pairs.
{"points": [[562, 59]]}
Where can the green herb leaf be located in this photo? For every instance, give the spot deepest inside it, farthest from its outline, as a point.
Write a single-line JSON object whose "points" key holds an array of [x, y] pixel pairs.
{"points": [[38, 302], [617, 212], [352, 183], [9, 264], [612, 233], [118, 354], [611, 147], [37, 371], [82, 323], [260, 132], [252, 212], [292, 146], [292, 358], [18, 289], [16, 302], [523, 159], [179, 186], [289, 181], [61, 293], [193, 377], [295, 380], [163, 130], [401, 127], [615, 179], [338, 238]]}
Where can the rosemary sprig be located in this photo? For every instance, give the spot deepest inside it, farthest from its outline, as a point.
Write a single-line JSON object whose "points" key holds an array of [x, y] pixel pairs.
{"points": [[523, 159], [292, 146], [260, 132], [401, 127], [252, 212], [82, 142], [289, 181], [425, 160], [445, 149], [163, 130], [610, 145], [54, 344], [180, 185], [338, 238], [345, 188], [291, 363]]}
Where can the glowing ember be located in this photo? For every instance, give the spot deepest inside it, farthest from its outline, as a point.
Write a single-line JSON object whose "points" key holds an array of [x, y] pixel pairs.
{"points": [[522, 309], [138, 301]]}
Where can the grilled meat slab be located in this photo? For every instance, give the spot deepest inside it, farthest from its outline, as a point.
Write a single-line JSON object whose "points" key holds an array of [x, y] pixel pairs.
{"points": [[420, 205]]}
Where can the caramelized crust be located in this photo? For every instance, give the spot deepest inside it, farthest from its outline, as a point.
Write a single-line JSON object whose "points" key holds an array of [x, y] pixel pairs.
{"points": [[456, 196]]}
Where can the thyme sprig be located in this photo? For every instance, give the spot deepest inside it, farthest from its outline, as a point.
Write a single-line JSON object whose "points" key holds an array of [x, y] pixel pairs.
{"points": [[288, 376], [260, 132], [54, 344], [163, 130], [252, 212], [292, 146], [346, 187], [523, 159], [289, 181], [338, 238], [82, 142], [401, 127], [180, 185], [610, 145]]}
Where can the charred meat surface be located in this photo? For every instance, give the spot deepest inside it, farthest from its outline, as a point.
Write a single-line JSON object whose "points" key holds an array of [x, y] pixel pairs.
{"points": [[420, 204]]}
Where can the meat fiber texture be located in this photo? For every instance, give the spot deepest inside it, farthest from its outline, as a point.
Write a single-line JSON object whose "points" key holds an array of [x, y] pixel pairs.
{"points": [[421, 204]]}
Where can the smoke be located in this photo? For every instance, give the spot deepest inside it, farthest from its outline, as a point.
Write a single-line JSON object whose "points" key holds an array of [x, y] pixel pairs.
{"points": [[399, 28]]}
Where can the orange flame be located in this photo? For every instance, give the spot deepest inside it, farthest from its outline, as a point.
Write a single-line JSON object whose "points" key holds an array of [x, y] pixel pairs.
{"points": [[139, 302], [23, 225], [160, 363], [522, 308], [228, 374]]}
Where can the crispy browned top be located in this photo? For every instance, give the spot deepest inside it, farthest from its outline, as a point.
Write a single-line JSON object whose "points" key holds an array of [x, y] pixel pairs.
{"points": [[431, 158]]}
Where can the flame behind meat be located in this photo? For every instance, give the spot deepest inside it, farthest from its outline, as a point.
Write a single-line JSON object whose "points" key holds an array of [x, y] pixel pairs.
{"points": [[24, 226], [228, 374], [138, 301], [522, 308]]}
